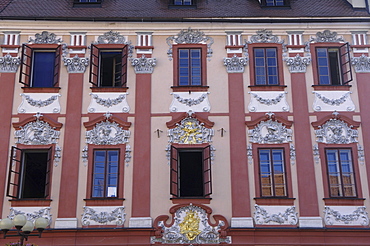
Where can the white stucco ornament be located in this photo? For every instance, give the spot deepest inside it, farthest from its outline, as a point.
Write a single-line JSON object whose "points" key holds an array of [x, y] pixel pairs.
{"points": [[39, 102], [108, 102], [333, 101], [275, 215], [268, 101], [193, 101], [346, 216]]}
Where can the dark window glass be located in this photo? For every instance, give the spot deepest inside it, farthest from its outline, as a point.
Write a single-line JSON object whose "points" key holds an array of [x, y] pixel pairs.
{"points": [[275, 3], [266, 66], [190, 172], [34, 174], [340, 172], [190, 67], [182, 2], [272, 172], [105, 173], [328, 66], [43, 69]]}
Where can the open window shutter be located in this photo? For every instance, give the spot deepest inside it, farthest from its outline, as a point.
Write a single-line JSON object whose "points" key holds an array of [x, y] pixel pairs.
{"points": [[124, 66], [57, 66], [26, 65], [207, 176], [174, 175], [14, 175], [345, 62], [94, 65], [48, 167]]}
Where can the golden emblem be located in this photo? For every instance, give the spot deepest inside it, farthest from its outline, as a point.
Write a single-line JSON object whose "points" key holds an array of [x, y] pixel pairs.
{"points": [[190, 225], [190, 132]]}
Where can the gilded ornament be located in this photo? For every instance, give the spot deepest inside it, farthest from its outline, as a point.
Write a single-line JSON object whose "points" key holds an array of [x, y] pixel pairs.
{"points": [[190, 225]]}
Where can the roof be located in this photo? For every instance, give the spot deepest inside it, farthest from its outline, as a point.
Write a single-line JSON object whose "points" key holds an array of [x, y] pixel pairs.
{"points": [[157, 10]]}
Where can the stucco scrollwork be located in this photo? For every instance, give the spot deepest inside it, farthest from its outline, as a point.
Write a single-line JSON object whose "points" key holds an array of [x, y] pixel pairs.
{"points": [[190, 131], [9, 64], [235, 64], [32, 216], [332, 102], [84, 155], [336, 131], [266, 101], [326, 36], [108, 102], [270, 132], [40, 103], [250, 153], [128, 154], [76, 64], [190, 101], [45, 38], [144, 64], [316, 153], [190, 36], [101, 215], [361, 154], [361, 64], [357, 217], [265, 36], [57, 155], [37, 133], [191, 226], [107, 133], [287, 216], [297, 64], [112, 37]]}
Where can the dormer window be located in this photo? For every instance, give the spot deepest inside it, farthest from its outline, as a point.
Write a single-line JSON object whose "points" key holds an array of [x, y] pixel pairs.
{"points": [[87, 3], [174, 4], [274, 3], [182, 2]]}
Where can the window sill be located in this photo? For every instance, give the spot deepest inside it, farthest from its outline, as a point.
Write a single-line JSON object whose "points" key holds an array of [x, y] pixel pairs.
{"points": [[342, 201], [286, 201], [109, 89], [30, 202], [331, 87], [267, 87], [41, 89], [172, 6], [187, 200], [104, 201], [189, 88]]}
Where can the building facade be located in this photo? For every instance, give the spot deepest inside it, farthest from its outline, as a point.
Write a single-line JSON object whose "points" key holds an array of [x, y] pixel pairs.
{"points": [[240, 122]]}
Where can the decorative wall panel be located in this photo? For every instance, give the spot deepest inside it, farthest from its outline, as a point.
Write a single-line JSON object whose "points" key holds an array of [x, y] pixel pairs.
{"points": [[31, 213], [190, 225], [108, 102], [275, 215], [346, 216], [103, 216], [194, 102], [39, 102], [268, 101], [333, 101]]}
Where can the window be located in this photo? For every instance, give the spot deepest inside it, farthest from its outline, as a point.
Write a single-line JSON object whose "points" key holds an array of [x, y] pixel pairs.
{"points": [[182, 2], [333, 65], [40, 66], [190, 65], [272, 172], [108, 66], [274, 3], [105, 173], [340, 173], [190, 69], [29, 173], [87, 3], [190, 172], [266, 66]]}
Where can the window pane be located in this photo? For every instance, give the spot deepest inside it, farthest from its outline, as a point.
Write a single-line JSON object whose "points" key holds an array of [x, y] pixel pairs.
{"points": [[43, 69], [105, 173]]}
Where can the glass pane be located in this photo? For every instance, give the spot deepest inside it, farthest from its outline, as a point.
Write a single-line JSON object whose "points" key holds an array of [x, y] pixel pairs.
{"points": [[43, 69]]}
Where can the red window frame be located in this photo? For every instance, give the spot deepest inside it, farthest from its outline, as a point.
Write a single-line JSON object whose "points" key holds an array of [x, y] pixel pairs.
{"points": [[175, 52], [252, 68]]}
